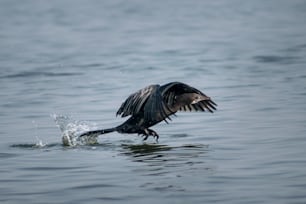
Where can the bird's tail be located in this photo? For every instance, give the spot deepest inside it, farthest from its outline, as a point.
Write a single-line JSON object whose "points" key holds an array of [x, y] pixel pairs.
{"points": [[97, 132]]}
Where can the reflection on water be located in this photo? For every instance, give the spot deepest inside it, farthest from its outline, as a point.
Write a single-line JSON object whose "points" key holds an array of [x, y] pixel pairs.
{"points": [[144, 149], [164, 156], [170, 166], [142, 152]]}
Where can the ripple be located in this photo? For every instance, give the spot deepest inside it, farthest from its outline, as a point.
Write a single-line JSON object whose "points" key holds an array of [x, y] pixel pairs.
{"points": [[7, 155], [179, 135], [275, 59], [93, 186], [34, 145], [89, 65], [29, 74]]}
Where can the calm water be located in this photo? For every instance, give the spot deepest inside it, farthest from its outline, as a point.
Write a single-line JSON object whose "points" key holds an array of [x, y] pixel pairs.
{"points": [[78, 61]]}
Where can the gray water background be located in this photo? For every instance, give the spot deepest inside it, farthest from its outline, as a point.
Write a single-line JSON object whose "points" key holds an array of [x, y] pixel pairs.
{"points": [[81, 59]]}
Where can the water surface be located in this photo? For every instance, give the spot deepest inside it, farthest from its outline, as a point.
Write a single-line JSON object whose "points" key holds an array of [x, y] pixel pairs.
{"points": [[81, 60]]}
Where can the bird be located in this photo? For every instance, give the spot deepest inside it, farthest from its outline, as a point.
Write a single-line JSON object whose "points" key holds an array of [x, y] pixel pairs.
{"points": [[156, 103]]}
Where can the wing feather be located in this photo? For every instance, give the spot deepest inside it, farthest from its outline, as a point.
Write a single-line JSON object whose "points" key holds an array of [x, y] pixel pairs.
{"points": [[171, 90], [148, 100], [136, 101], [156, 109]]}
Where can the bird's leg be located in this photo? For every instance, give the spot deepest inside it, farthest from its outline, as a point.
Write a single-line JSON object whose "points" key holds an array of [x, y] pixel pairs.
{"points": [[148, 132], [145, 137], [145, 134], [154, 134]]}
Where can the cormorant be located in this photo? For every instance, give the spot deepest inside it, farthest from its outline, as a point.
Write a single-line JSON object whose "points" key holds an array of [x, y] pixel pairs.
{"points": [[156, 103]]}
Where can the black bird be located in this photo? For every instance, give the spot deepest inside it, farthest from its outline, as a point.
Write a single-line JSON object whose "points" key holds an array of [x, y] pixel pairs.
{"points": [[156, 103]]}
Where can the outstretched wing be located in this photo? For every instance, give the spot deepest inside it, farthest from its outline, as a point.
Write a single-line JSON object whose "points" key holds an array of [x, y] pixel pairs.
{"points": [[171, 90], [147, 100], [136, 101], [155, 108]]}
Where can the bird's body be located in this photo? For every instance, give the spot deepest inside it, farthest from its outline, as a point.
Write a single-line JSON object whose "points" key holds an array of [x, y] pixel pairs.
{"points": [[156, 103]]}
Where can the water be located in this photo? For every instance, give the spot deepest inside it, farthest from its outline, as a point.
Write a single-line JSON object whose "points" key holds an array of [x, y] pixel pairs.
{"points": [[79, 60]]}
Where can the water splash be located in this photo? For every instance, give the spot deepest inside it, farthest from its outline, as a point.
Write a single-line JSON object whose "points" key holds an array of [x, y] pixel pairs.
{"points": [[39, 142], [71, 129]]}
